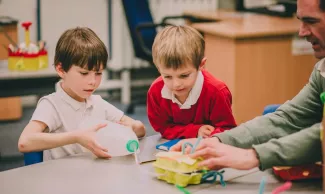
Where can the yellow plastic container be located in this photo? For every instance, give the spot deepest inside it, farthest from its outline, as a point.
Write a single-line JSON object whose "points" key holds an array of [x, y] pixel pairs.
{"points": [[176, 168]]}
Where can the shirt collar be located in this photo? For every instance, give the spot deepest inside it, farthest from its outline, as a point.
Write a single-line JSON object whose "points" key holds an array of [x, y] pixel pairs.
{"points": [[192, 97], [76, 105], [321, 67]]}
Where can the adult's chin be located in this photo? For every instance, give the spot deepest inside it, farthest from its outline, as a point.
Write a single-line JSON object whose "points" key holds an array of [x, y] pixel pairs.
{"points": [[319, 54]]}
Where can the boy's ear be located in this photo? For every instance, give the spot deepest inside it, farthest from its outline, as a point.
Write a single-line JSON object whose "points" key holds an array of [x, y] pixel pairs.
{"points": [[202, 64], [60, 70]]}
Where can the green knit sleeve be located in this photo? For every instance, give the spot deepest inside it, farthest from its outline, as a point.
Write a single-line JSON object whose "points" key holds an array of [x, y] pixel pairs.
{"points": [[303, 147], [303, 111]]}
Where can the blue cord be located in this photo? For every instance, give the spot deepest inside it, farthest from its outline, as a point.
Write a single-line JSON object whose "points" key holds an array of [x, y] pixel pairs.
{"points": [[196, 144], [191, 145], [262, 185], [211, 177], [184, 146]]}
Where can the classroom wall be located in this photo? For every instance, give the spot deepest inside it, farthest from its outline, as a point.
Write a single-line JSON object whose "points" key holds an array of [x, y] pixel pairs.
{"points": [[56, 17], [21, 10], [59, 15]]}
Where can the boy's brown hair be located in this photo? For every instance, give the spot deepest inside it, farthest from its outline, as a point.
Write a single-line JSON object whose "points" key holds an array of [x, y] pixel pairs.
{"points": [[81, 47], [176, 46]]}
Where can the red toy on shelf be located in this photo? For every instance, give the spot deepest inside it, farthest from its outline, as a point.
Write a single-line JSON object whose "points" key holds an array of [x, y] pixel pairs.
{"points": [[27, 56]]}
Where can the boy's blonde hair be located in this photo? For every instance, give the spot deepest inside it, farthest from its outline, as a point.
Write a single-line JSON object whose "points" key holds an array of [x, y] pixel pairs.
{"points": [[176, 46], [81, 47]]}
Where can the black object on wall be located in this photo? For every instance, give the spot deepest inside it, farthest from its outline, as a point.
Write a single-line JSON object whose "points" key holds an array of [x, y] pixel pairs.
{"points": [[290, 8]]}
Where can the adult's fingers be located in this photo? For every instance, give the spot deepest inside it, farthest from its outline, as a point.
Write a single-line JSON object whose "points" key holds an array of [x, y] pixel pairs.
{"points": [[213, 163], [210, 128], [201, 145], [207, 142], [178, 147], [205, 153]]}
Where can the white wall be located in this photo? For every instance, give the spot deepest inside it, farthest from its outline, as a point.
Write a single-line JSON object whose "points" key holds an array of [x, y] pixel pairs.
{"points": [[22, 10], [59, 15], [56, 17]]}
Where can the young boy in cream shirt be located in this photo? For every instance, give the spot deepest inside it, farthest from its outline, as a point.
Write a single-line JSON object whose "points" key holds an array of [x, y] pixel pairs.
{"points": [[80, 59]]}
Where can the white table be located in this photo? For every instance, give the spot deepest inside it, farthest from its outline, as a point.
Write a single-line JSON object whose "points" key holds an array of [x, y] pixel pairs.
{"points": [[83, 174]]}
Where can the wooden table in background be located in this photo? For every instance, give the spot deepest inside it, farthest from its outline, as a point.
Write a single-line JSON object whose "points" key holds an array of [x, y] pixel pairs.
{"points": [[252, 54], [10, 108]]}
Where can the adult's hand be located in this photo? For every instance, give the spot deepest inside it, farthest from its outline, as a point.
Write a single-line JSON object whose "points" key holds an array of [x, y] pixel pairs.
{"points": [[219, 155], [208, 141]]}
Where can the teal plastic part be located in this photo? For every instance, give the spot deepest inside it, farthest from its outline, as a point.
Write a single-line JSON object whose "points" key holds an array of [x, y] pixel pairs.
{"points": [[132, 146]]}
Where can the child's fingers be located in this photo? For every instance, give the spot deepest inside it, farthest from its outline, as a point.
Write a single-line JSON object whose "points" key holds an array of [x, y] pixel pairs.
{"points": [[121, 123], [206, 133], [101, 154], [99, 126], [210, 128], [98, 150]]}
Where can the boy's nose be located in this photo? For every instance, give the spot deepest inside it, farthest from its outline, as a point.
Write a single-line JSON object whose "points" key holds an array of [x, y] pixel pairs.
{"points": [[92, 80], [176, 84]]}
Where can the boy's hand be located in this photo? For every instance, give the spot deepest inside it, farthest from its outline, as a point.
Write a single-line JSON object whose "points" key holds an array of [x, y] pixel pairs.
{"points": [[205, 131], [137, 126], [86, 138]]}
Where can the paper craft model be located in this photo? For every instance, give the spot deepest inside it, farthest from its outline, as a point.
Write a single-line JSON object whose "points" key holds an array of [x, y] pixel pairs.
{"points": [[178, 169], [308, 171], [27, 56]]}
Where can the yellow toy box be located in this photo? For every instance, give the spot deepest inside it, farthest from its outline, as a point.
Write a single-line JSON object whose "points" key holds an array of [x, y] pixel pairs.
{"points": [[27, 56]]}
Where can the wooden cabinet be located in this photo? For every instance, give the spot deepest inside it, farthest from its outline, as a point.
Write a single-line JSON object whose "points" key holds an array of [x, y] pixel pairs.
{"points": [[10, 108], [252, 54]]}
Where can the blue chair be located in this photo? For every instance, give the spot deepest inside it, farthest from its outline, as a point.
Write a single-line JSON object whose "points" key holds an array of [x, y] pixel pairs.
{"points": [[271, 108], [142, 27], [143, 31], [33, 158]]}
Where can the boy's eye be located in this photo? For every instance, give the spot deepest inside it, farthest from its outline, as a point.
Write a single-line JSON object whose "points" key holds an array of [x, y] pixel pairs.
{"points": [[167, 77], [98, 73], [83, 73], [184, 76]]}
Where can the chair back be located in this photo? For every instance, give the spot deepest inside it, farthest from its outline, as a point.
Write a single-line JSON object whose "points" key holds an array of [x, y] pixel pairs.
{"points": [[33, 158], [137, 12], [270, 108]]}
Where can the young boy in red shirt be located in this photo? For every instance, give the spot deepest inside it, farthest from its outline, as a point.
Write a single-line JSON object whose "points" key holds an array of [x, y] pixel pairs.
{"points": [[186, 101]]}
